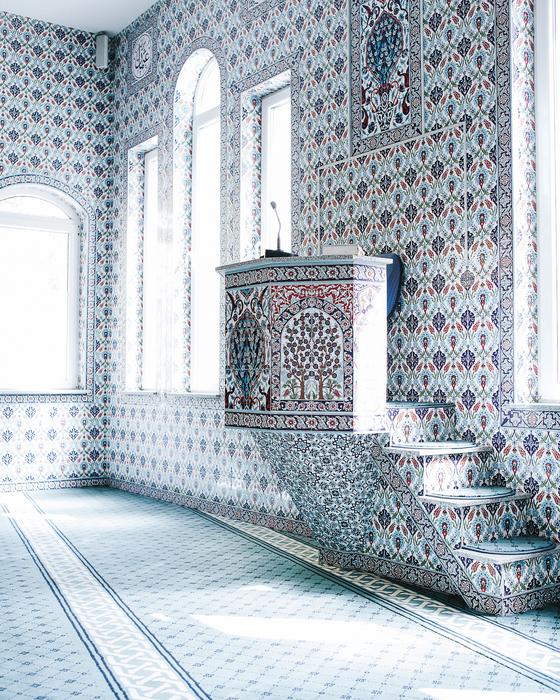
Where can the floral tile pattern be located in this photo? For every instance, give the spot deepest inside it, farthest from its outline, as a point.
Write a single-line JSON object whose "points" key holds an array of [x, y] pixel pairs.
{"points": [[452, 339]]}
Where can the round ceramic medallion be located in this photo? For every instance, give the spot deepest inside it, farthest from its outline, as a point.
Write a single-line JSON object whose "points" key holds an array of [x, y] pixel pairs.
{"points": [[142, 54]]}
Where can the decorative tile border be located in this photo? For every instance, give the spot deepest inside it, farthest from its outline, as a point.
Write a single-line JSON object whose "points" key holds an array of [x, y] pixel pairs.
{"points": [[290, 63], [314, 272], [316, 422], [225, 510], [252, 9], [51, 484], [88, 219], [531, 416]]}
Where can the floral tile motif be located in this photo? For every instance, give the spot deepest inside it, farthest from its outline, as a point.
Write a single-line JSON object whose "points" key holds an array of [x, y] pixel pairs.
{"points": [[247, 373], [300, 354], [469, 525], [55, 130], [385, 72], [421, 423], [449, 472]]}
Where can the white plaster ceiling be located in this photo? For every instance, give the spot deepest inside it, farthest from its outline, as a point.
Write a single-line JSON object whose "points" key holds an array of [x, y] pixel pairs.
{"points": [[89, 15]]}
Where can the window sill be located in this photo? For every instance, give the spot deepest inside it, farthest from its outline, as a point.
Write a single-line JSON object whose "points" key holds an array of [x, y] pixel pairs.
{"points": [[536, 406], [45, 392], [172, 394], [194, 394]]}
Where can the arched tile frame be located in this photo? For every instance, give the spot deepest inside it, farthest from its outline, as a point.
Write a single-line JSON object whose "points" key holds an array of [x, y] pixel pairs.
{"points": [[517, 270], [290, 63], [89, 223]]}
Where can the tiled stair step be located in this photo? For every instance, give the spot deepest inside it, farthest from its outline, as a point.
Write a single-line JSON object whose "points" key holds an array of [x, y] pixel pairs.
{"points": [[436, 467], [420, 421], [488, 513], [504, 551], [438, 448], [512, 569], [474, 495]]}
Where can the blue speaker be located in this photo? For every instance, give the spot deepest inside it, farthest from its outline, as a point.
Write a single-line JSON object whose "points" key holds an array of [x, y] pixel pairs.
{"points": [[394, 279]]}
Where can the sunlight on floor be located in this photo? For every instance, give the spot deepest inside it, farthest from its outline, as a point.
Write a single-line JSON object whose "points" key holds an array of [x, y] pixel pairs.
{"points": [[160, 616], [452, 694], [339, 632]]}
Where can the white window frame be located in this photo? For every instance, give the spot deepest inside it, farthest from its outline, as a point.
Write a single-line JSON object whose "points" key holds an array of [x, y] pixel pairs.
{"points": [[150, 157], [201, 120], [135, 381], [547, 105], [193, 111], [70, 227], [269, 221]]}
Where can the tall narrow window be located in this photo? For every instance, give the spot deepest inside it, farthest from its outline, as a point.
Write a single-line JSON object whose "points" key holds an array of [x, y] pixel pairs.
{"points": [[152, 311], [205, 250], [146, 317], [547, 75], [276, 176], [265, 166], [39, 292], [196, 205]]}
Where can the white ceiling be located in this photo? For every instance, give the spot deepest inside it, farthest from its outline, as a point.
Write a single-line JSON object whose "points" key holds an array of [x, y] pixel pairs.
{"points": [[90, 15]]}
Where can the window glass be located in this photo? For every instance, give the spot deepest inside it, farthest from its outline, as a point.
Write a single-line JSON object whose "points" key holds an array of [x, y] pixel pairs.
{"points": [[276, 169], [39, 300], [547, 75], [205, 246], [207, 95], [153, 277], [32, 205]]}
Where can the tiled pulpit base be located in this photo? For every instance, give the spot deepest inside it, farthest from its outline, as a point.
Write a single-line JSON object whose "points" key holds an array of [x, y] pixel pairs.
{"points": [[110, 595]]}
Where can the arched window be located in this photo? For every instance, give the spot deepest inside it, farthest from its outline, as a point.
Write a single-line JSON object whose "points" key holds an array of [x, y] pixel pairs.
{"points": [[197, 194], [39, 290]]}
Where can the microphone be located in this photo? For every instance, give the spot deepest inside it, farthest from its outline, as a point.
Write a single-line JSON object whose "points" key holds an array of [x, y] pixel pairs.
{"points": [[273, 205]]}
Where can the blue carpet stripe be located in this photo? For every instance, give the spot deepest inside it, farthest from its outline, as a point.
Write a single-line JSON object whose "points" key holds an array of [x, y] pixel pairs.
{"points": [[142, 628], [105, 670], [525, 670], [448, 601]]}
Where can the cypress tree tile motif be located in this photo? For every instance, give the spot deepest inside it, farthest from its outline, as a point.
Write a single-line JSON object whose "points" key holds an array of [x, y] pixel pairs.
{"points": [[385, 72]]}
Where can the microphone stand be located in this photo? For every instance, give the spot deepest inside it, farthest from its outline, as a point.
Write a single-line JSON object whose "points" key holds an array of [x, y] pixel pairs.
{"points": [[278, 253]]}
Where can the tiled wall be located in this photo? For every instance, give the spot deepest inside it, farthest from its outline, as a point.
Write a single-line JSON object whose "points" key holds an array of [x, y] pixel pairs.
{"points": [[55, 129], [430, 192], [431, 197]]}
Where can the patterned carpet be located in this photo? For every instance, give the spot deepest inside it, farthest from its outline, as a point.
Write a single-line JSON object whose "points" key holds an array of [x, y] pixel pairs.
{"points": [[109, 595]]}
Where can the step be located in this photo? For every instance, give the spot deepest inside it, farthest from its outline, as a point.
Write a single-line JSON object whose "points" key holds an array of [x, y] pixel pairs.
{"points": [[420, 421], [521, 573], [435, 467], [506, 551], [488, 513], [462, 465], [437, 448], [475, 495]]}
